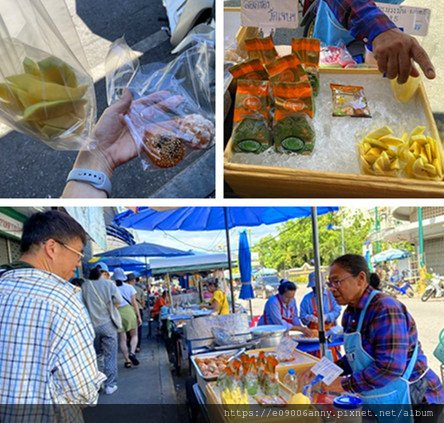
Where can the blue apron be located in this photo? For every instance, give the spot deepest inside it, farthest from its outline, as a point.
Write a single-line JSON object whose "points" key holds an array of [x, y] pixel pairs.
{"points": [[329, 30], [396, 392]]}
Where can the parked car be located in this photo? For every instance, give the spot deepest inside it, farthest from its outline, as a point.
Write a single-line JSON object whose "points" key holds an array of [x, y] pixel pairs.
{"points": [[267, 285]]}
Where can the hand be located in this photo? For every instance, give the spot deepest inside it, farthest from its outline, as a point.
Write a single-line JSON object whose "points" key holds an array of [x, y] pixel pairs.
{"points": [[308, 332], [114, 142], [313, 319], [395, 52], [139, 321]]}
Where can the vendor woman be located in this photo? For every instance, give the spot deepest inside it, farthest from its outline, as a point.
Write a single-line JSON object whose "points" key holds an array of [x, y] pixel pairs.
{"points": [[219, 301], [281, 309], [309, 311], [384, 361]]}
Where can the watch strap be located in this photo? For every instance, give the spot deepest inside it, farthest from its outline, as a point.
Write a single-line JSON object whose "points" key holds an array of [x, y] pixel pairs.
{"points": [[98, 180]]}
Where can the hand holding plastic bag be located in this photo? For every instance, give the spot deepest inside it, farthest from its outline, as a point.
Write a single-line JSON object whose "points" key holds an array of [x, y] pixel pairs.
{"points": [[45, 89], [173, 110]]}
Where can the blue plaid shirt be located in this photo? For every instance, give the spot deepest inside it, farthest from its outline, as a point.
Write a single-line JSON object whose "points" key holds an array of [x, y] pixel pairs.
{"points": [[46, 343], [362, 18]]}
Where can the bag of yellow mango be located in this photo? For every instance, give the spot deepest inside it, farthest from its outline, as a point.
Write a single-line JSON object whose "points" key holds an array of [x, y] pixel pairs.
{"points": [[45, 88]]}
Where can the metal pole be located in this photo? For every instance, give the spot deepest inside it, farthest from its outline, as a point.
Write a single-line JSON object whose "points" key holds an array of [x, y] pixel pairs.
{"points": [[230, 270], [421, 238], [319, 289]]}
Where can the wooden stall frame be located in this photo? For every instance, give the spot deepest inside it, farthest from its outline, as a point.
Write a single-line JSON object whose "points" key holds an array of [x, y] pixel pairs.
{"points": [[255, 181]]}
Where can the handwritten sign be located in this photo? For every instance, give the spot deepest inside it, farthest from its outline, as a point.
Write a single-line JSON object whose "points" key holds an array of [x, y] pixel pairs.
{"points": [[269, 14], [328, 370], [412, 20]]}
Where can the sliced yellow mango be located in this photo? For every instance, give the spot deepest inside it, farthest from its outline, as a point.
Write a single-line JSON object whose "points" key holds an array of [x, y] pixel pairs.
{"points": [[419, 130], [46, 90], [391, 140], [64, 122], [394, 165], [428, 151], [438, 166], [57, 71], [31, 67], [420, 139], [377, 143], [381, 132], [50, 109]]}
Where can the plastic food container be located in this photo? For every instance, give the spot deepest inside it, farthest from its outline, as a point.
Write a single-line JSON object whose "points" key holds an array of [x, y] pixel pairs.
{"points": [[346, 407]]}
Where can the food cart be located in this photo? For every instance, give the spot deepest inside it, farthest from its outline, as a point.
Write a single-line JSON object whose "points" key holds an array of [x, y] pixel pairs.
{"points": [[337, 165], [211, 398]]}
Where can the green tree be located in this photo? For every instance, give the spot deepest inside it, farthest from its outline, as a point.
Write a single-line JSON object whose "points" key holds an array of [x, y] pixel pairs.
{"points": [[293, 246]]}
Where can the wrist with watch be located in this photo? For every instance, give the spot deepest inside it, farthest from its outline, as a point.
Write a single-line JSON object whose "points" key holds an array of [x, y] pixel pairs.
{"points": [[98, 180]]}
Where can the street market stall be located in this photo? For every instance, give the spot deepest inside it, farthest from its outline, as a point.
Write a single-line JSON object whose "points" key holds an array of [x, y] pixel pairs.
{"points": [[301, 129]]}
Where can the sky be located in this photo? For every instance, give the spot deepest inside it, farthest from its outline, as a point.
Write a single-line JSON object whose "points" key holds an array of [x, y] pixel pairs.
{"points": [[208, 241]]}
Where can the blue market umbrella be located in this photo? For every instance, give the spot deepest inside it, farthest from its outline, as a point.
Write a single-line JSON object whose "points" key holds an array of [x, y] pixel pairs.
{"points": [[129, 265], [244, 262], [220, 218], [144, 249], [391, 254]]}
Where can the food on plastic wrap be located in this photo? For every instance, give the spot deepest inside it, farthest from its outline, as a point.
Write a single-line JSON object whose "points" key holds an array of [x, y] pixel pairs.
{"points": [[251, 115], [271, 400], [336, 56], [349, 100], [415, 155], [212, 366], [292, 129], [172, 113], [251, 69], [308, 51], [262, 49], [405, 92], [286, 69], [197, 131]]}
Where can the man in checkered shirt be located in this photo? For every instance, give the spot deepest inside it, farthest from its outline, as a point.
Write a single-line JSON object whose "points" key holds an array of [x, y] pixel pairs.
{"points": [[47, 356]]}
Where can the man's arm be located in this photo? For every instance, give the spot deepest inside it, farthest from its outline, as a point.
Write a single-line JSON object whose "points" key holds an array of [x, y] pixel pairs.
{"points": [[394, 50], [75, 377], [362, 18]]}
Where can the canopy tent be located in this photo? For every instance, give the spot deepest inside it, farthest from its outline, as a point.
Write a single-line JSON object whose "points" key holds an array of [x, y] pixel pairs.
{"points": [[145, 250], [226, 218], [190, 263], [128, 265], [391, 254]]}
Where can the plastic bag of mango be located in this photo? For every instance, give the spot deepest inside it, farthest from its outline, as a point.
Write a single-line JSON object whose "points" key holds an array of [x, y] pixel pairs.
{"points": [[415, 155], [49, 100]]}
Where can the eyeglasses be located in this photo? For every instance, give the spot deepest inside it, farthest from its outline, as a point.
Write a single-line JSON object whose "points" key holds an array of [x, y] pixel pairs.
{"points": [[80, 255], [337, 283]]}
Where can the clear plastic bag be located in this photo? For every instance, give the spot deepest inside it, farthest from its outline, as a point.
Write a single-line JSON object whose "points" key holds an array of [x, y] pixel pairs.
{"points": [[45, 88], [173, 108]]}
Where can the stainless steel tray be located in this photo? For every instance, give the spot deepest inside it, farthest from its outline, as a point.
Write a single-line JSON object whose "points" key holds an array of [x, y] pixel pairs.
{"points": [[232, 353]]}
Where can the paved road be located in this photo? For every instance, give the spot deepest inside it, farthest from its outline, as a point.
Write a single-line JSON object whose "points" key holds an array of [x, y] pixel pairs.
{"points": [[428, 317], [32, 170]]}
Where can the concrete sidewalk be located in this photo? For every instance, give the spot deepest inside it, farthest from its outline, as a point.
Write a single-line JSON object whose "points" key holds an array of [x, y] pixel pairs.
{"points": [[149, 383]]}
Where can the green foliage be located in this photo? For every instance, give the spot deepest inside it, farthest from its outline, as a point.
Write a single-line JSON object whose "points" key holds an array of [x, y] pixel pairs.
{"points": [[294, 246]]}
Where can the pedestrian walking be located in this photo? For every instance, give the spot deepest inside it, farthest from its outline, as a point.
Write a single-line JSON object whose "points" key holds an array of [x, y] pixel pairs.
{"points": [[102, 298], [129, 311]]}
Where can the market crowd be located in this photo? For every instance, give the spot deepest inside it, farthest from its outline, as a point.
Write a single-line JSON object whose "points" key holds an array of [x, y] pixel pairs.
{"points": [[52, 332]]}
